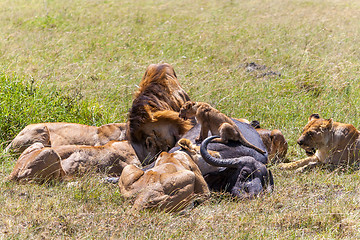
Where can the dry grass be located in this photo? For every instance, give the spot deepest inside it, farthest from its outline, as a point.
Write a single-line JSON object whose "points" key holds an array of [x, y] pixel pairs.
{"points": [[100, 49], [319, 205]]}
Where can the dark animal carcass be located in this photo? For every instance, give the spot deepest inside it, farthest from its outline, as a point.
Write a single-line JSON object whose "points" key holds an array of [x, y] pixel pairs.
{"points": [[235, 149], [243, 176]]}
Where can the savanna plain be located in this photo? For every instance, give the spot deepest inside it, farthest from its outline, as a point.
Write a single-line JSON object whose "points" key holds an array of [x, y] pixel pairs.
{"points": [[81, 60]]}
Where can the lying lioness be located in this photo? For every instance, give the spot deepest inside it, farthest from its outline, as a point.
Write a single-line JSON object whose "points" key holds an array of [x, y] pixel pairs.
{"points": [[327, 142], [60, 133], [173, 182], [39, 163]]}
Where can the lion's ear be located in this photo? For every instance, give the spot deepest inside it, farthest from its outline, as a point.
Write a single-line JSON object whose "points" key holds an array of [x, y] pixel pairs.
{"points": [[186, 144], [314, 116], [187, 105], [255, 124], [150, 143], [330, 123]]}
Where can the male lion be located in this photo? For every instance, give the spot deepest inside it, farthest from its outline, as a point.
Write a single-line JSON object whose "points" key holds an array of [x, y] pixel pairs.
{"points": [[216, 122], [40, 163], [327, 142], [61, 133], [173, 182], [153, 122]]}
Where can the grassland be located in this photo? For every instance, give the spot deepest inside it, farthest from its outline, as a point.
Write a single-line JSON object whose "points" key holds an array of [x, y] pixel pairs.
{"points": [[81, 61]]}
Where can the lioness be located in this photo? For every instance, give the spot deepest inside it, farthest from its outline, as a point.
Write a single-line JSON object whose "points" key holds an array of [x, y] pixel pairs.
{"points": [[40, 163], [170, 185], [61, 133], [215, 121], [327, 142]]}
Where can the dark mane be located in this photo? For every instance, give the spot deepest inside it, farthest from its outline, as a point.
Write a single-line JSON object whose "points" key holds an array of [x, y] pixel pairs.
{"points": [[159, 90]]}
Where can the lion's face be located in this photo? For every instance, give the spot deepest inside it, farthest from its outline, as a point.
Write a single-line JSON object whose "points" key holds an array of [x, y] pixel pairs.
{"points": [[315, 135], [156, 144], [159, 137], [187, 110]]}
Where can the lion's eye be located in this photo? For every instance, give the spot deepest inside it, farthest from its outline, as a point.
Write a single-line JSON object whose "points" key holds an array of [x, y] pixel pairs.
{"points": [[311, 134], [245, 172]]}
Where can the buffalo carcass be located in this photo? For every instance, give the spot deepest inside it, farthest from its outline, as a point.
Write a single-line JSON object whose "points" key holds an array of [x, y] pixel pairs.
{"points": [[241, 170], [243, 177], [235, 149], [246, 177]]}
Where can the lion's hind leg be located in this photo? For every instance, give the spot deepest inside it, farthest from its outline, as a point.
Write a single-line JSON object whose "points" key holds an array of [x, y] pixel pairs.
{"points": [[229, 132], [130, 175], [40, 164], [173, 193], [226, 133], [180, 188]]}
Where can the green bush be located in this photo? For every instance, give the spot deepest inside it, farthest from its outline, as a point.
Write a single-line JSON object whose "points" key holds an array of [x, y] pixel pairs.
{"points": [[23, 103]]}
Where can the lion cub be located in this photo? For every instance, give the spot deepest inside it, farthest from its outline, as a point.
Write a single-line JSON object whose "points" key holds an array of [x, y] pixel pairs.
{"points": [[215, 121]]}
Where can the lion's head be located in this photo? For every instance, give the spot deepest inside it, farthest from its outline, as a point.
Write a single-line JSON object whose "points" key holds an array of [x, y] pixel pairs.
{"points": [[154, 124], [188, 110], [315, 134]]}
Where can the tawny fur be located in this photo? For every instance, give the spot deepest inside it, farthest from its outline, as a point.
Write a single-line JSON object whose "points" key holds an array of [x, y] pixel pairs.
{"points": [[274, 141], [214, 121], [37, 163], [330, 143], [61, 133], [155, 110], [164, 130], [40, 163], [244, 120], [170, 185]]}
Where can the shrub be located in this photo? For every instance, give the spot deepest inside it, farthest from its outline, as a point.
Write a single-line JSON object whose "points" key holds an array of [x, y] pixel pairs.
{"points": [[23, 103]]}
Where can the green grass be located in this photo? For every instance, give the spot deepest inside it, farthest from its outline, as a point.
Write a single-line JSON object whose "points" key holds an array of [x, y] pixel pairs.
{"points": [[23, 103], [81, 61]]}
